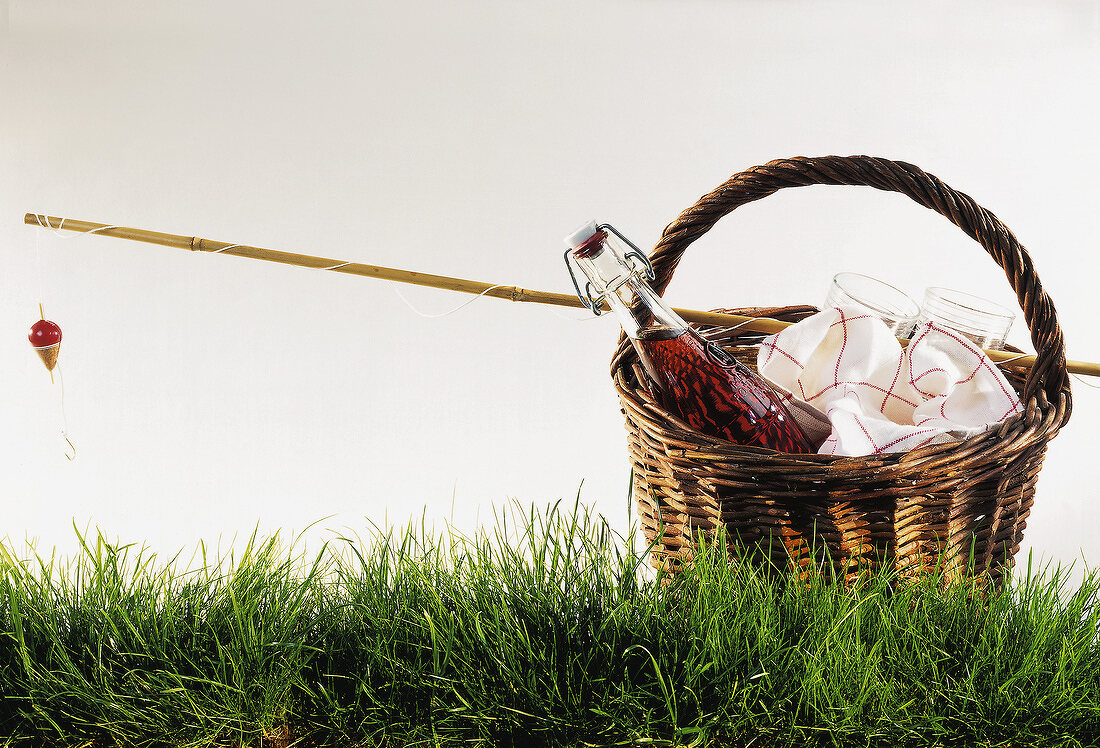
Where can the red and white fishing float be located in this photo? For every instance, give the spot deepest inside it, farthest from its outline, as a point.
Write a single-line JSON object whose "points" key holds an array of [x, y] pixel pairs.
{"points": [[45, 336]]}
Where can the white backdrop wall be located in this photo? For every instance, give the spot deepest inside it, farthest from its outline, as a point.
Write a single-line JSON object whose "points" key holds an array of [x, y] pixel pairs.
{"points": [[207, 395]]}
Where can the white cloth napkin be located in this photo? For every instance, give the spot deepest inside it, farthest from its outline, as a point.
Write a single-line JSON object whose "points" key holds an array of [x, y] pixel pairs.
{"points": [[854, 386]]}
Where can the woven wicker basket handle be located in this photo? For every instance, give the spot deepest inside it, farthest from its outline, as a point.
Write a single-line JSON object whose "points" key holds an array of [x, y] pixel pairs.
{"points": [[1049, 372]]}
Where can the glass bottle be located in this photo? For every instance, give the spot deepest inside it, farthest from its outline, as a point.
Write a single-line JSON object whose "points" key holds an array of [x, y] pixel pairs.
{"points": [[699, 382]]}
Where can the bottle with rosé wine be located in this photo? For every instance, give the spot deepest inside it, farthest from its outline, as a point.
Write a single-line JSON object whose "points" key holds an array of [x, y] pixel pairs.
{"points": [[698, 381]]}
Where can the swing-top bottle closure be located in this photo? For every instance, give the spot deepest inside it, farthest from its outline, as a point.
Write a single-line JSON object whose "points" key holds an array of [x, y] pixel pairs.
{"points": [[614, 265]]}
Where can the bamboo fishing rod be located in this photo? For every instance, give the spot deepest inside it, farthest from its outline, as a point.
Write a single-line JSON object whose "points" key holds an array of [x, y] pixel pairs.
{"points": [[462, 285]]}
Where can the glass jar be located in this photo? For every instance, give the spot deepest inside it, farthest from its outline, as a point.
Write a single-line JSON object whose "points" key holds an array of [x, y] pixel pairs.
{"points": [[872, 296], [982, 321]]}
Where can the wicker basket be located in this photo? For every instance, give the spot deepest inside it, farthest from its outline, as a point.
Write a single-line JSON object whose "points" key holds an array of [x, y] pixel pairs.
{"points": [[963, 504]]}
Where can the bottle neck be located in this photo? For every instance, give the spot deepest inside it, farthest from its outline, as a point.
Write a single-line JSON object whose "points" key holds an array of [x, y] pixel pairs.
{"points": [[639, 309], [623, 286]]}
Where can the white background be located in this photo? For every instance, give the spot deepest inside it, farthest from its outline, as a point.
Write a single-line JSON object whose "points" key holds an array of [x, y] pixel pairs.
{"points": [[208, 395]]}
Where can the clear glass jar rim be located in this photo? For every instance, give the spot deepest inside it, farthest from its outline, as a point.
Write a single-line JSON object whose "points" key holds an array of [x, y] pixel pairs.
{"points": [[967, 303], [901, 298]]}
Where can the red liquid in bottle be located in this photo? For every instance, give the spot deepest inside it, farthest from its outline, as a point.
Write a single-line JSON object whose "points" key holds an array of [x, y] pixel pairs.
{"points": [[717, 394]]}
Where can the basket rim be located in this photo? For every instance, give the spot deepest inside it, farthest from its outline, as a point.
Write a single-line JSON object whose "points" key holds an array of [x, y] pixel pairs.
{"points": [[1040, 420]]}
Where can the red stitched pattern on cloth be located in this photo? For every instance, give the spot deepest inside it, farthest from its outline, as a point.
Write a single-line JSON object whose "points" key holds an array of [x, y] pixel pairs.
{"points": [[856, 390]]}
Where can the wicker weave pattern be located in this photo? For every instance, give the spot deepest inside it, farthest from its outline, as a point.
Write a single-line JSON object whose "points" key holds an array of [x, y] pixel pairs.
{"points": [[966, 502]]}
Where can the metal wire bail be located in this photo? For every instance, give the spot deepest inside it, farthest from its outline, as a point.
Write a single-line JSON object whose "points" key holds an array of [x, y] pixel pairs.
{"points": [[639, 264], [590, 303]]}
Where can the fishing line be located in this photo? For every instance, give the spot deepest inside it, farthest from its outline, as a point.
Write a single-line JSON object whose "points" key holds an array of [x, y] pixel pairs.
{"points": [[235, 246], [57, 229], [40, 281], [395, 288], [70, 453], [420, 313], [38, 263], [1082, 381], [410, 305], [463, 305], [64, 417], [426, 315]]}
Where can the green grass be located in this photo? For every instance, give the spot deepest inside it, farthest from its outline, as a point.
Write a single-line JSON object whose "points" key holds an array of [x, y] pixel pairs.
{"points": [[545, 630]]}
